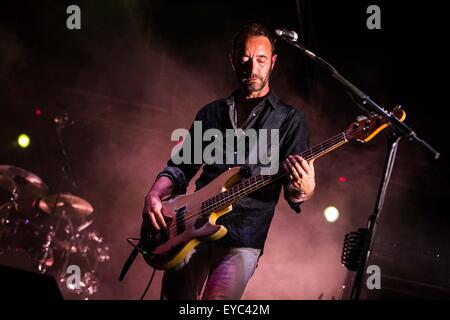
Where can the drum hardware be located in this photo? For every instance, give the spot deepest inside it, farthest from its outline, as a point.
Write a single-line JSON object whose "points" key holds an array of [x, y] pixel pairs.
{"points": [[72, 205], [84, 225], [51, 205], [52, 231], [23, 186], [42, 261], [18, 181]]}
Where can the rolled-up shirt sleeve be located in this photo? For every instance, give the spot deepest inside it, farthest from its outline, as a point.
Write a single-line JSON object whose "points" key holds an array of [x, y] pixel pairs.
{"points": [[177, 176]]}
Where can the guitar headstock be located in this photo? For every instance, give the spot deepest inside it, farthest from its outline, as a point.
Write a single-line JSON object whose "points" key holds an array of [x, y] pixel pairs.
{"points": [[365, 128]]}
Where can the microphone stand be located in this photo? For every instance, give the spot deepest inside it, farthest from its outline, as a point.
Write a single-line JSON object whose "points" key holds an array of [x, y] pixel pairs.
{"points": [[67, 167], [399, 129], [66, 172]]}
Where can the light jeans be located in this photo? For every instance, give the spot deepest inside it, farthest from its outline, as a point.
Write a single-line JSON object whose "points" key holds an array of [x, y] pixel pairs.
{"points": [[211, 272]]}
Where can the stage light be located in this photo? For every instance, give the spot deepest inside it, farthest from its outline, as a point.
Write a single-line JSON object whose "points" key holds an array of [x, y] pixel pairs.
{"points": [[331, 214], [342, 179], [23, 140], [38, 112]]}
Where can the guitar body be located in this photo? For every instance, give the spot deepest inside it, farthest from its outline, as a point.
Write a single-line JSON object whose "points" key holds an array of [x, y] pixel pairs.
{"points": [[167, 248]]}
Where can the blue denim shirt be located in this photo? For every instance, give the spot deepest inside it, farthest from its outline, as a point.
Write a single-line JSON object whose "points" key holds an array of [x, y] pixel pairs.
{"points": [[249, 221]]}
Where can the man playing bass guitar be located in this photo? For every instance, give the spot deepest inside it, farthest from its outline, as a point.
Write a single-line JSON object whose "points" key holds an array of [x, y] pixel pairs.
{"points": [[221, 269]]}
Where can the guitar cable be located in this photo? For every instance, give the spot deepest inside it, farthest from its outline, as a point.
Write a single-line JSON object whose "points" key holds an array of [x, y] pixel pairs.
{"points": [[136, 246], [148, 284], [136, 249]]}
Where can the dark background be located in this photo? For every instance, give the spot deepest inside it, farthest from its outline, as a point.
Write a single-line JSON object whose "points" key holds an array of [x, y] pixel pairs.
{"points": [[139, 69]]}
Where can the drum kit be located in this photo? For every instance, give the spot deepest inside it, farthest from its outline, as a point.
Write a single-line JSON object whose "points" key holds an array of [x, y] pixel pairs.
{"points": [[48, 233]]}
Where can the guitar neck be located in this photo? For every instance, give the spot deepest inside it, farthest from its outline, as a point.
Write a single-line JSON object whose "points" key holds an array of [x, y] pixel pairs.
{"points": [[259, 181]]}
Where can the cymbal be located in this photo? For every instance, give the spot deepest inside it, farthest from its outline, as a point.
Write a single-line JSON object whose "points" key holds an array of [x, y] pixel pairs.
{"points": [[73, 206], [27, 184]]}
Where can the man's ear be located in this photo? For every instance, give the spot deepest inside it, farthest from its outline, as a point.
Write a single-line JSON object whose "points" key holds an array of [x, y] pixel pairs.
{"points": [[232, 61], [274, 58]]}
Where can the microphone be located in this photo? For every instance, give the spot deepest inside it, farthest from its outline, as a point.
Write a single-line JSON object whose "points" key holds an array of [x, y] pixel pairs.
{"points": [[63, 120], [292, 35]]}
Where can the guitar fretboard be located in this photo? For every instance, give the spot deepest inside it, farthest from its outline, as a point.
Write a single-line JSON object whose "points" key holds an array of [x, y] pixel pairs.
{"points": [[254, 183]]}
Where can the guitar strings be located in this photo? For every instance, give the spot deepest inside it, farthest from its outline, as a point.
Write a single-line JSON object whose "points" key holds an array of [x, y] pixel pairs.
{"points": [[309, 153], [255, 185], [189, 218]]}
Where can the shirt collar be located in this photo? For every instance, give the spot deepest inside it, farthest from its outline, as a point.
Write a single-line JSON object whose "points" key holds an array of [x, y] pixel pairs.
{"points": [[271, 97]]}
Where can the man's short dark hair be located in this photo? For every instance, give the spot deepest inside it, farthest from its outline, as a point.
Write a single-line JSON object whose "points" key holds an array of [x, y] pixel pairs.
{"points": [[251, 30]]}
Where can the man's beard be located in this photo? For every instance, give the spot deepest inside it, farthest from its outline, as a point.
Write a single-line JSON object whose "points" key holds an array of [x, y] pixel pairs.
{"points": [[255, 83]]}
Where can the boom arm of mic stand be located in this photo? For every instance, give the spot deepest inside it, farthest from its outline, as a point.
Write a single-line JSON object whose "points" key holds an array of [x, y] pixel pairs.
{"points": [[365, 102]]}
